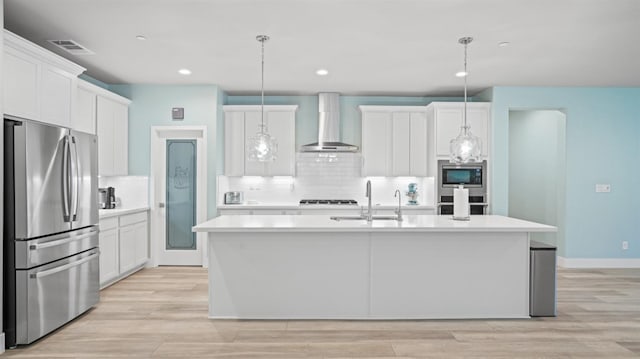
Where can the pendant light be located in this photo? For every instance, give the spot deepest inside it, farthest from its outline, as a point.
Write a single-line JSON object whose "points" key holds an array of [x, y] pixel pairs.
{"points": [[262, 147], [466, 147]]}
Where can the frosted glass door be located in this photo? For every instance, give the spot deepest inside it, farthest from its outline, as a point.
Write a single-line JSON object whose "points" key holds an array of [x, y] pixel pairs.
{"points": [[181, 195]]}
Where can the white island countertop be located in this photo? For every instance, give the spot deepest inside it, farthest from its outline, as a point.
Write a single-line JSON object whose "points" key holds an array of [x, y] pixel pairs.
{"points": [[411, 223]]}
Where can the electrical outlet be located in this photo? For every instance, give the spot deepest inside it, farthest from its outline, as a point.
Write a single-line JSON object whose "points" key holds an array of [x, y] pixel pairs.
{"points": [[603, 188], [625, 245]]}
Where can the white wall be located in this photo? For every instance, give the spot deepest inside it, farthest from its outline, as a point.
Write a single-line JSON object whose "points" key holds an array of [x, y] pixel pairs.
{"points": [[537, 170]]}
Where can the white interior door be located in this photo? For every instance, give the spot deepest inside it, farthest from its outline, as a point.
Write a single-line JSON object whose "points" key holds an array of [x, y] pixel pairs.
{"points": [[179, 178]]}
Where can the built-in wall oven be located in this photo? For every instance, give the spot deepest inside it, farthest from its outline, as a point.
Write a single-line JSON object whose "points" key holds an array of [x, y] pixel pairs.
{"points": [[473, 176]]}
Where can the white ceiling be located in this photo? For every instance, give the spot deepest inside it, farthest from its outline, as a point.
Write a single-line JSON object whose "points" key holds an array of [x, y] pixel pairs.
{"points": [[381, 47]]}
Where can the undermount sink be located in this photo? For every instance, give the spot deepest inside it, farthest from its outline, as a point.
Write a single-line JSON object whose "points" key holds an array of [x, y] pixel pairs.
{"points": [[355, 218]]}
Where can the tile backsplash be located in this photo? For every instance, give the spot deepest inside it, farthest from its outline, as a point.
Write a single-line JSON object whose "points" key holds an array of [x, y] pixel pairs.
{"points": [[131, 191], [325, 176]]}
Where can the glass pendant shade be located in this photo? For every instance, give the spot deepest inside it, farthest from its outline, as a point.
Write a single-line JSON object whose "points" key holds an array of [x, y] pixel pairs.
{"points": [[262, 147], [466, 147]]}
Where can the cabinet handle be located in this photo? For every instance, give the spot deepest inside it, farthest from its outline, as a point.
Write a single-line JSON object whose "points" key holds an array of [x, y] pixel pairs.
{"points": [[161, 205]]}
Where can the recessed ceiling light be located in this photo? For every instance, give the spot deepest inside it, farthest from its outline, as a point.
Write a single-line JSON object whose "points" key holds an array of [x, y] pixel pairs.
{"points": [[322, 72], [504, 43], [461, 74], [141, 38], [184, 72]]}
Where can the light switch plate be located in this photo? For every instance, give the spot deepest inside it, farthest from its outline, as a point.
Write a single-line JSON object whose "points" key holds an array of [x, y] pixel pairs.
{"points": [[603, 188]]}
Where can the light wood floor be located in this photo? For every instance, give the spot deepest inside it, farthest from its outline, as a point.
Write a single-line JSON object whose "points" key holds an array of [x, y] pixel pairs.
{"points": [[162, 313]]}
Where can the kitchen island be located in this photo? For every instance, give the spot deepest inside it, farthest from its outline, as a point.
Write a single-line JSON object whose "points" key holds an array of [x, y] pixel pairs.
{"points": [[424, 267]]}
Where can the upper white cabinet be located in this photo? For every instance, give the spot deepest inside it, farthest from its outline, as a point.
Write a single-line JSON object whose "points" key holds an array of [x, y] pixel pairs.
{"points": [[85, 110], [242, 123], [112, 124], [38, 84], [445, 120], [394, 140]]}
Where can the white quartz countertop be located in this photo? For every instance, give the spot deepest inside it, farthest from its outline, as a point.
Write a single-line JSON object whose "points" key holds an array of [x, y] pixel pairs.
{"points": [[411, 223], [296, 206], [106, 213]]}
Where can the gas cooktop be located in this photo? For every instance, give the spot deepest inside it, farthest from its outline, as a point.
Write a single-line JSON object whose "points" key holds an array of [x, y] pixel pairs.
{"points": [[331, 202]]}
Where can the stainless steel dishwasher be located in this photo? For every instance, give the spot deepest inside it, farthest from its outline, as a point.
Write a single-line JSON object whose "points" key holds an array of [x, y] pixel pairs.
{"points": [[542, 280]]}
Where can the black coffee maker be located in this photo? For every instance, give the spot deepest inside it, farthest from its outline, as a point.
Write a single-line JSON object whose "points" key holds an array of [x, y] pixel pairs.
{"points": [[111, 198], [107, 198]]}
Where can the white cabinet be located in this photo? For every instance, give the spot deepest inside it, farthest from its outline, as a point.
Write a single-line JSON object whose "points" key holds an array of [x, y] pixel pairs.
{"points": [[108, 243], [394, 140], [133, 241], [112, 122], [124, 246], [85, 112], [38, 84], [445, 120], [242, 123]]}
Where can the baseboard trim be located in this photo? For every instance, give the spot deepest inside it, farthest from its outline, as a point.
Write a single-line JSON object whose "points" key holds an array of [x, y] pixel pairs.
{"points": [[598, 262]]}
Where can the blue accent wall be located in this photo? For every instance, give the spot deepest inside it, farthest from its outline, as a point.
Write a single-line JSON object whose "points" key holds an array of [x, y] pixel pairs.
{"points": [[602, 146], [151, 106]]}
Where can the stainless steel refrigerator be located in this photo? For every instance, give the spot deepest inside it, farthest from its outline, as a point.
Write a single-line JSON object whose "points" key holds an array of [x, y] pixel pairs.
{"points": [[51, 268]]}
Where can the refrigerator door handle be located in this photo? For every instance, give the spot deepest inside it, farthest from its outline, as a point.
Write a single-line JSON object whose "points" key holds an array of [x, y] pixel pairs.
{"points": [[65, 179], [63, 267], [59, 242], [75, 178]]}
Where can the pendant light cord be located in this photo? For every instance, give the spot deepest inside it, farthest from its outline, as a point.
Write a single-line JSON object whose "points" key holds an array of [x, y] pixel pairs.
{"points": [[262, 130], [466, 74]]}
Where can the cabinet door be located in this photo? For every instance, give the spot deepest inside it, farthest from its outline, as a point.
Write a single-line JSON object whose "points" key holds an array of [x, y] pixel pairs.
{"points": [[234, 143], [418, 144], [251, 123], [281, 125], [376, 153], [141, 243], [20, 79], [120, 139], [104, 122], [55, 93], [478, 118], [109, 266], [401, 145], [85, 114], [127, 248], [112, 121], [448, 122]]}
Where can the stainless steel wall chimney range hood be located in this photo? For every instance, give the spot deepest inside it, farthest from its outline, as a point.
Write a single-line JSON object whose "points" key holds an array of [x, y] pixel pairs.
{"points": [[329, 127]]}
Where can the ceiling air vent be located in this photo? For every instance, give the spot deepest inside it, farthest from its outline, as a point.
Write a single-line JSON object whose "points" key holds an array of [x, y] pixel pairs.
{"points": [[71, 47]]}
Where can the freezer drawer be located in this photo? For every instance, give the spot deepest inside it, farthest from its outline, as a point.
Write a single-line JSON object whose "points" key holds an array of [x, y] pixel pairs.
{"points": [[542, 280], [49, 296], [43, 250]]}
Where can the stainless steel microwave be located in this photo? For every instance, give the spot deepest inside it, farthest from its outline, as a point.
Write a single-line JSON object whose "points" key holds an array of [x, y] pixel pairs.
{"points": [[471, 175]]}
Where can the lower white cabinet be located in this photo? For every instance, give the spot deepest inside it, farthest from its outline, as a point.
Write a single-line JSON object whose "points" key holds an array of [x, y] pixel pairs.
{"points": [[108, 242], [124, 246]]}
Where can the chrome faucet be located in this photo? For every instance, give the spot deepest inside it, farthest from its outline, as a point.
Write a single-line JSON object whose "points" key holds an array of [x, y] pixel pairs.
{"points": [[399, 210], [367, 194]]}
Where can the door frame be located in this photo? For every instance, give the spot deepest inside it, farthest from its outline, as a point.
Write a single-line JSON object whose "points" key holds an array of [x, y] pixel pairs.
{"points": [[159, 135]]}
